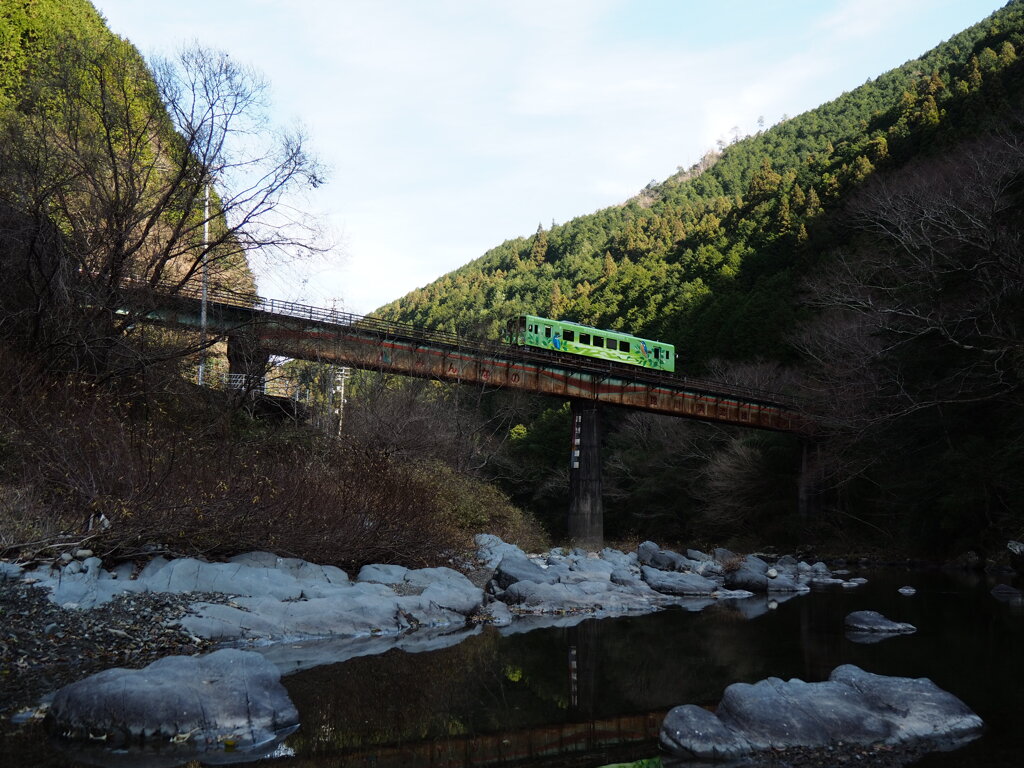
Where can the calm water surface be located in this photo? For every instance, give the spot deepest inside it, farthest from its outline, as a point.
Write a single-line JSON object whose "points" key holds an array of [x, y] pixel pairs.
{"points": [[596, 692]]}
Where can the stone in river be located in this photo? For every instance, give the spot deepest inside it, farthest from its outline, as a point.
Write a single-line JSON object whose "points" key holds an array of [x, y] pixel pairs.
{"points": [[851, 707], [227, 699]]}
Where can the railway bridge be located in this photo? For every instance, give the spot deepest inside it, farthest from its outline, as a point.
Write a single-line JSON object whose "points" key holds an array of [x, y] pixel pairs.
{"points": [[257, 328]]}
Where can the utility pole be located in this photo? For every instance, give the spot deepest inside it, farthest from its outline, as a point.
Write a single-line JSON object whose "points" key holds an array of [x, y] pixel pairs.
{"points": [[339, 391], [205, 279]]}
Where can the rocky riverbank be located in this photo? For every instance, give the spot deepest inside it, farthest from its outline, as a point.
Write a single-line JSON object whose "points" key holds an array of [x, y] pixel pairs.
{"points": [[44, 646], [64, 621]]}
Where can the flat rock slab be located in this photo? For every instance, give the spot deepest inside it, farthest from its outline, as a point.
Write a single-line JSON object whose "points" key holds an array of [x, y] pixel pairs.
{"points": [[852, 707], [229, 699], [515, 566], [871, 627], [671, 583]]}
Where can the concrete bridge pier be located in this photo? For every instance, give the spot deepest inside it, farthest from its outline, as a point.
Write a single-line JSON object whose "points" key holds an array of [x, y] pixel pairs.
{"points": [[248, 362], [809, 480], [586, 509]]}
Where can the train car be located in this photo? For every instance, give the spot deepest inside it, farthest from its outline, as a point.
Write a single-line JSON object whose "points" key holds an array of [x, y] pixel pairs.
{"points": [[576, 339]]}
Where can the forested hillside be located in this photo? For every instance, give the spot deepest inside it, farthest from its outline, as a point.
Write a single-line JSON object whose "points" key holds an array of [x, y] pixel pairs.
{"points": [[707, 258], [865, 255]]}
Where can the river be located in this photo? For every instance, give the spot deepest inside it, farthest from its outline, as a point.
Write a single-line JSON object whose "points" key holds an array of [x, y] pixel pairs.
{"points": [[595, 693]]}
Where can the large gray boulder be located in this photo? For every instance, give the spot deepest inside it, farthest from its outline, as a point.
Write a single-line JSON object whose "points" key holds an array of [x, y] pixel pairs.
{"points": [[85, 584], [365, 609], [596, 597], [379, 573], [618, 558], [190, 575], [649, 553], [516, 566], [750, 573], [300, 569], [490, 550], [692, 732], [226, 700], [447, 588], [852, 706]]}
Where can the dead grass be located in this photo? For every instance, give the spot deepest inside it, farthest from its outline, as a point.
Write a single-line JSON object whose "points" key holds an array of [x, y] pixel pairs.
{"points": [[25, 522], [168, 476]]}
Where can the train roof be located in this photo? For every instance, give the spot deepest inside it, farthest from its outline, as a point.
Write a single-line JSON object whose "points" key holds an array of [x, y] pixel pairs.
{"points": [[599, 330]]}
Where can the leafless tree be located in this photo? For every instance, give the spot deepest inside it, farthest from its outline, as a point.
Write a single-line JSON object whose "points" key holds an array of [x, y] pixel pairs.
{"points": [[463, 426], [924, 309], [920, 326], [120, 181]]}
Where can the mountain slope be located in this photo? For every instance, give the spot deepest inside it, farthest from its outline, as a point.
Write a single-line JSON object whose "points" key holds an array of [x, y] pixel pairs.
{"points": [[709, 259], [869, 253]]}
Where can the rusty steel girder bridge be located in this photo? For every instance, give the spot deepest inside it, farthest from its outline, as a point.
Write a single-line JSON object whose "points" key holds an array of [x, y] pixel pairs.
{"points": [[257, 328]]}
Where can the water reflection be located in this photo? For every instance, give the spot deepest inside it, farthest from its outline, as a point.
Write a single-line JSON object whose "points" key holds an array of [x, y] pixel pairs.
{"points": [[596, 691]]}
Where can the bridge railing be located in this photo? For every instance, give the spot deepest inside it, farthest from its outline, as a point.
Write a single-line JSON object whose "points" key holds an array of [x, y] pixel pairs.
{"points": [[321, 315]]}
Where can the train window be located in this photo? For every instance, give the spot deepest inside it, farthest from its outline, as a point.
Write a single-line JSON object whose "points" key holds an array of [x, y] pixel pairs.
{"points": [[584, 338], [623, 346], [599, 341], [547, 331], [569, 335], [657, 353]]}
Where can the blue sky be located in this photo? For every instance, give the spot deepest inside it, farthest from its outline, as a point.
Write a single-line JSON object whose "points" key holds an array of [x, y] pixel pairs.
{"points": [[450, 126]]}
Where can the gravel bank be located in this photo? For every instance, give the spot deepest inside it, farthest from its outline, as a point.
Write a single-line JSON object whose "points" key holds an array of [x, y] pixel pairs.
{"points": [[44, 647]]}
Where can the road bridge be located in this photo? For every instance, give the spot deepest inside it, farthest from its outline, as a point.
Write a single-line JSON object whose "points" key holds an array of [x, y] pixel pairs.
{"points": [[257, 328]]}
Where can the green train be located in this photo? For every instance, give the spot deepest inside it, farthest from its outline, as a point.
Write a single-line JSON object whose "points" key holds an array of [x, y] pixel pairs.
{"points": [[576, 339]]}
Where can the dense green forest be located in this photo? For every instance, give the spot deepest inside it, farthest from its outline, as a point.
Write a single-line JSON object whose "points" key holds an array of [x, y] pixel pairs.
{"points": [[864, 256]]}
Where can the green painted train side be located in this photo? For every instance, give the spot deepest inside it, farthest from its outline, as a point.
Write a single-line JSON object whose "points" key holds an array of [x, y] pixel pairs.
{"points": [[576, 339]]}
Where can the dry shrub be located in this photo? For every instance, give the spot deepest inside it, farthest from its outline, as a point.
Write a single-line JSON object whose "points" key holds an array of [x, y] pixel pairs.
{"points": [[733, 564], [475, 506], [135, 478], [184, 497], [24, 522]]}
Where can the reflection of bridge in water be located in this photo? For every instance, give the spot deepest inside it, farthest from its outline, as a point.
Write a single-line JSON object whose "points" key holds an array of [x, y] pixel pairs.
{"points": [[257, 328], [593, 742]]}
